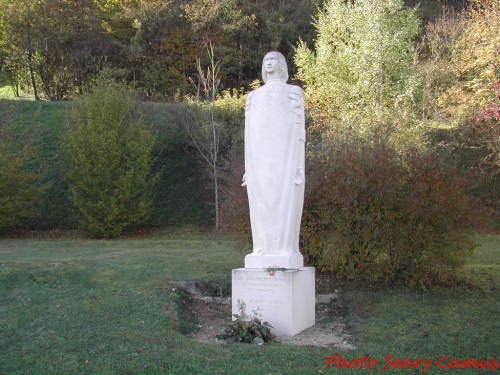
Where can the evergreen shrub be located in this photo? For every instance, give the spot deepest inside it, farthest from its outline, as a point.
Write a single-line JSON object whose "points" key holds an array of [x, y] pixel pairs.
{"points": [[374, 214], [108, 157]]}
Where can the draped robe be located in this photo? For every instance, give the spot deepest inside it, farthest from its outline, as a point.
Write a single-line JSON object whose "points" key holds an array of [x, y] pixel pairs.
{"points": [[274, 167]]}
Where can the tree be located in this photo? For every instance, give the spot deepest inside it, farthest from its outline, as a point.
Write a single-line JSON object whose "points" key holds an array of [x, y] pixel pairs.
{"points": [[472, 66], [460, 63], [243, 31], [75, 46], [362, 75], [18, 32], [201, 122], [62, 43], [163, 52], [108, 162]]}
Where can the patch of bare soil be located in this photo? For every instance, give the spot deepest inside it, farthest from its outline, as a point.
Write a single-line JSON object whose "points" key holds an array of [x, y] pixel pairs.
{"points": [[213, 314]]}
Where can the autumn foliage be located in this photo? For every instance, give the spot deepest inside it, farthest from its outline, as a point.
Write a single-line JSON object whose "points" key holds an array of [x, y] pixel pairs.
{"points": [[461, 67], [373, 214], [485, 126]]}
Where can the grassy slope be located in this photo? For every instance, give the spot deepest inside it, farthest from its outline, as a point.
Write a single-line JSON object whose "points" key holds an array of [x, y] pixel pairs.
{"points": [[181, 197], [106, 307], [42, 119]]}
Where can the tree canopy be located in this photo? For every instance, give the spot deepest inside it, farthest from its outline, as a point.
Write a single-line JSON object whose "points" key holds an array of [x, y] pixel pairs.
{"points": [[362, 73], [152, 44]]}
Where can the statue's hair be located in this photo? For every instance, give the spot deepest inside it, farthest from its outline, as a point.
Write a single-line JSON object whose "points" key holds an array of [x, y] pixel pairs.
{"points": [[282, 68]]}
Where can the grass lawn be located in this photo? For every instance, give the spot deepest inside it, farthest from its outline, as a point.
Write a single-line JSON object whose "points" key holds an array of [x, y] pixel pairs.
{"points": [[78, 306]]}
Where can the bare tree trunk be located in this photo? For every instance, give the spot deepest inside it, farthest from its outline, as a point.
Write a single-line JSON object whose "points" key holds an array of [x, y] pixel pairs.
{"points": [[210, 82], [30, 61], [206, 136], [216, 187], [32, 74]]}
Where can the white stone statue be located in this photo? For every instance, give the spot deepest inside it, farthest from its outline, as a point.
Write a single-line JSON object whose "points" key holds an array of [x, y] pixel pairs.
{"points": [[274, 167]]}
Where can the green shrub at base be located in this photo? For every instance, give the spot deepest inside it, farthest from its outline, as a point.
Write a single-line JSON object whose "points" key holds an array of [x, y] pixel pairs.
{"points": [[247, 329], [108, 162], [373, 214]]}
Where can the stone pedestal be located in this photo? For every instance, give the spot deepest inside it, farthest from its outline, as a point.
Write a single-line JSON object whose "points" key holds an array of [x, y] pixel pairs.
{"points": [[285, 299]]}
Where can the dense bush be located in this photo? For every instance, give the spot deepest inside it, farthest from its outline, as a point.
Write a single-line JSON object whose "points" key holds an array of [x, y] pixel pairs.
{"points": [[20, 185], [373, 214], [109, 161]]}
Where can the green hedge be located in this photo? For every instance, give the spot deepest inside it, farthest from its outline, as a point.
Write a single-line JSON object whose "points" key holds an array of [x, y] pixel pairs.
{"points": [[21, 186], [181, 195]]}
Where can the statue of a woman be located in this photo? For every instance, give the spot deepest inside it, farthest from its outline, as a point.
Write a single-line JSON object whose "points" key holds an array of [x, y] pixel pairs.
{"points": [[274, 167]]}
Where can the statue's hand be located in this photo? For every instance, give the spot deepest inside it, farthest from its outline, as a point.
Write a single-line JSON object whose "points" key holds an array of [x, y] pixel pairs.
{"points": [[302, 135], [300, 177]]}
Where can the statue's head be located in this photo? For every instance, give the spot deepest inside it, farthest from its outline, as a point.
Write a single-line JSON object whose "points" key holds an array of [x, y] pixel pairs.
{"points": [[280, 67]]}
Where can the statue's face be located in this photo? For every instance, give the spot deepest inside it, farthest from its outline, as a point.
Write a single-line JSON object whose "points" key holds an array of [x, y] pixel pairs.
{"points": [[274, 65], [271, 62]]}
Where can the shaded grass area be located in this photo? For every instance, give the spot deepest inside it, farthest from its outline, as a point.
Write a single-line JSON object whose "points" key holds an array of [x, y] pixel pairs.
{"points": [[72, 305]]}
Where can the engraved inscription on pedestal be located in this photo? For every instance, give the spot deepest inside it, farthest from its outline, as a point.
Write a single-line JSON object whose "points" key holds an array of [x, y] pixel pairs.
{"points": [[284, 299], [264, 290]]}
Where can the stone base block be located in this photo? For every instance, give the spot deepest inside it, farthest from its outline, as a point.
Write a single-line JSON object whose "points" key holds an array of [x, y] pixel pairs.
{"points": [[285, 299], [294, 261]]}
